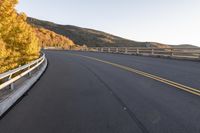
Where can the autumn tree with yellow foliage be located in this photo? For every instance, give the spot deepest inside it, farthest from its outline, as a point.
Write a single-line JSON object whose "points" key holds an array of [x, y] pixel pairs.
{"points": [[18, 41], [49, 38]]}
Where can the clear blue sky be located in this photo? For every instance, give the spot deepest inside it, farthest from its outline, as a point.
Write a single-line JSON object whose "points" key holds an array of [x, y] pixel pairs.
{"points": [[165, 21]]}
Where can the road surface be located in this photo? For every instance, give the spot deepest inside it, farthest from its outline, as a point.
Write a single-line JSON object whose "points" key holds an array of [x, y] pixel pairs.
{"points": [[77, 94]]}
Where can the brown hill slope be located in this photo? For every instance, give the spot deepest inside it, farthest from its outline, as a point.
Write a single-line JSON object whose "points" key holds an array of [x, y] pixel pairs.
{"points": [[89, 37], [184, 46]]}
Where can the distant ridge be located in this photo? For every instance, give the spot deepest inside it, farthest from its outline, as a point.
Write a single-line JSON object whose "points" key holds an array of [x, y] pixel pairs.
{"points": [[90, 37], [184, 46], [94, 38]]}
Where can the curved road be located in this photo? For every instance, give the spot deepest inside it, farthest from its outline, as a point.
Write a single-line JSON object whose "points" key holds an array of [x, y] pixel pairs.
{"points": [[77, 94]]}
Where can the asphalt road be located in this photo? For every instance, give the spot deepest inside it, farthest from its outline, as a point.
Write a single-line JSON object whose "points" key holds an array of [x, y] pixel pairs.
{"points": [[80, 95]]}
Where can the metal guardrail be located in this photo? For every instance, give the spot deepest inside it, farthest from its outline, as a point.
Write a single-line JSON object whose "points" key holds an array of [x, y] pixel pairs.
{"points": [[10, 77], [53, 48], [192, 53]]}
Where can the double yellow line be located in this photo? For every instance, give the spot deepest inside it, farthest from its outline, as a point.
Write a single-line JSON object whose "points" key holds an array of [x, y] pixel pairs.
{"points": [[151, 76]]}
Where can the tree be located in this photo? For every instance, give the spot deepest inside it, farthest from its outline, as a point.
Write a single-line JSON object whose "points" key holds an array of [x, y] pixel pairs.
{"points": [[3, 52], [48, 38], [17, 38]]}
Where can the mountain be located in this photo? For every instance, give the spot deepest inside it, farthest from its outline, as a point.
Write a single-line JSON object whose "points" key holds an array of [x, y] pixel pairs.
{"points": [[184, 46], [90, 37]]}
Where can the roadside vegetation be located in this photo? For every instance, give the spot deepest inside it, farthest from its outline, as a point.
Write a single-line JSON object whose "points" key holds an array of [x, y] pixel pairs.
{"points": [[20, 42], [48, 38]]}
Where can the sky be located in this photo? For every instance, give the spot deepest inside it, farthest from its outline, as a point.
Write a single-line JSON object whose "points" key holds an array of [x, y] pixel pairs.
{"points": [[165, 21]]}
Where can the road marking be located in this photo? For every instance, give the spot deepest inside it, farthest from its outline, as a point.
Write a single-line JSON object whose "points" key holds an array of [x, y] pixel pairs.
{"points": [[145, 74]]}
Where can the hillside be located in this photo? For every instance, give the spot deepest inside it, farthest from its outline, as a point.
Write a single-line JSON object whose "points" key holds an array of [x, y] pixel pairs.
{"points": [[184, 46], [89, 37], [49, 38]]}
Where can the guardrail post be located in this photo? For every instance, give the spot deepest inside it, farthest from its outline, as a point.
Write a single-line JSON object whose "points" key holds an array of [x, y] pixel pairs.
{"points": [[152, 51], [108, 50], [172, 54], [137, 51], [29, 74], [38, 66], [12, 84], [117, 50], [101, 49], [126, 50], [95, 50]]}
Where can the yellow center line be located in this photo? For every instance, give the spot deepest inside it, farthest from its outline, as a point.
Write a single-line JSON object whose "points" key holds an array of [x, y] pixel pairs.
{"points": [[145, 74]]}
